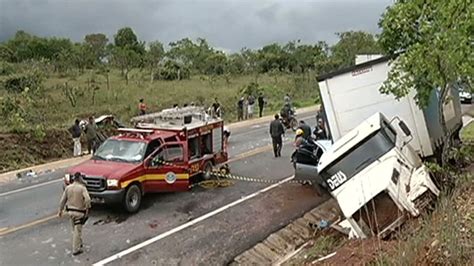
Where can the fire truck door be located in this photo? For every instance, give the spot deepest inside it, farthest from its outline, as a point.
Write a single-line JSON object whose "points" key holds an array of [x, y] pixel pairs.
{"points": [[167, 168]]}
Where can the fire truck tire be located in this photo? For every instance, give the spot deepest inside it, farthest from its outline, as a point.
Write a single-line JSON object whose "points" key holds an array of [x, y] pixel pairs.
{"points": [[132, 199], [207, 170]]}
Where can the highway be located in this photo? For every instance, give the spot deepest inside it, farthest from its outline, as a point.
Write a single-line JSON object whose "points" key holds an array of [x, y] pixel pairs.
{"points": [[197, 227]]}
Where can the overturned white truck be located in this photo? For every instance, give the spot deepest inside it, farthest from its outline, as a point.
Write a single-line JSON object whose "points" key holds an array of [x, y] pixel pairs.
{"points": [[376, 176], [374, 168]]}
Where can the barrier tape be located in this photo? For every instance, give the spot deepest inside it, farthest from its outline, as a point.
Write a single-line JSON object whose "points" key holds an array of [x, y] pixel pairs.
{"points": [[223, 179]]}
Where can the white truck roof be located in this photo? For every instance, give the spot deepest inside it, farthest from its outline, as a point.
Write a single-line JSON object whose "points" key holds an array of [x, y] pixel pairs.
{"points": [[356, 135]]}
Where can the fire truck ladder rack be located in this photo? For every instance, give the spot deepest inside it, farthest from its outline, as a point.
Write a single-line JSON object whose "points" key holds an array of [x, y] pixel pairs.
{"points": [[176, 116]]}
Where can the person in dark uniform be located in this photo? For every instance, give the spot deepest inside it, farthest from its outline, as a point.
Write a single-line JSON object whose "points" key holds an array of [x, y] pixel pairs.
{"points": [[261, 103], [320, 130], [306, 129], [276, 132]]}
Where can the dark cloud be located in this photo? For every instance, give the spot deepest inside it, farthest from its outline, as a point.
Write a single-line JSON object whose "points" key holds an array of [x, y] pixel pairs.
{"points": [[228, 24]]}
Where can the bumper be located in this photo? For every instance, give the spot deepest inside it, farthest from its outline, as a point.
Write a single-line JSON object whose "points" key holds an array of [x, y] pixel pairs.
{"points": [[107, 196]]}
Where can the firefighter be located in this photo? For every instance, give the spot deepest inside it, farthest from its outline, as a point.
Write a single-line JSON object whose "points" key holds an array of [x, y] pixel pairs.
{"points": [[76, 202]]}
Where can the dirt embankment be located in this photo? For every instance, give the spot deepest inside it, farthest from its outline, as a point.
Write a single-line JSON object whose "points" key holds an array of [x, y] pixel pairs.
{"points": [[25, 149]]}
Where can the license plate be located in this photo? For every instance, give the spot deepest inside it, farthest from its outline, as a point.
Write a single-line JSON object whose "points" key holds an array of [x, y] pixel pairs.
{"points": [[97, 200]]}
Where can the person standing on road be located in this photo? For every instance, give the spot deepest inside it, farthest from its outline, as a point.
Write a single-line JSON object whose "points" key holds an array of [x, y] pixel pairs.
{"points": [[240, 109], [142, 107], [261, 103], [91, 135], [76, 132], [76, 202], [251, 103], [320, 130], [276, 132]]}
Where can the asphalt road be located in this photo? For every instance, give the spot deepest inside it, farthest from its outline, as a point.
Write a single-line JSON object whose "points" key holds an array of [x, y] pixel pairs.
{"points": [[201, 226], [46, 239]]}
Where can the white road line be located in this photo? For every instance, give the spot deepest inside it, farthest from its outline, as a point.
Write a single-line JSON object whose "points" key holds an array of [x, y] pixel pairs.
{"points": [[188, 224], [29, 187]]}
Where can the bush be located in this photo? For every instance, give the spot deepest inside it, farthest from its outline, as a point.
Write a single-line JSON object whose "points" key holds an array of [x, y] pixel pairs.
{"points": [[173, 71], [17, 83], [6, 69]]}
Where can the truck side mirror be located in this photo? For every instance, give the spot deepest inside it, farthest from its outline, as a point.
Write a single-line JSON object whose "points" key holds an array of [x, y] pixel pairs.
{"points": [[404, 128]]}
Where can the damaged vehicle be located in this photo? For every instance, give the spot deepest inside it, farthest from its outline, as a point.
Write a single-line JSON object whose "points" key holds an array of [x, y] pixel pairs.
{"points": [[376, 177]]}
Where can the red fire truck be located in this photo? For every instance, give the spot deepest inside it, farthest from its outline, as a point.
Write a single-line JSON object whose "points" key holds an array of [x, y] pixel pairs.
{"points": [[166, 151]]}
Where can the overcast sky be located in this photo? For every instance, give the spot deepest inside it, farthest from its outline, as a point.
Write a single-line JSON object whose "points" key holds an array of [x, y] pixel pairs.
{"points": [[226, 24]]}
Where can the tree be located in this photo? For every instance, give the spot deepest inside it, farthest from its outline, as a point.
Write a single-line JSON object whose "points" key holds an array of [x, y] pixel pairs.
{"points": [[432, 41], [126, 39], [352, 43], [153, 57], [97, 43], [126, 59]]}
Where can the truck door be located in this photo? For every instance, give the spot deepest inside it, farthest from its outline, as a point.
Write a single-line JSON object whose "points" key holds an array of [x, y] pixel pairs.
{"points": [[166, 169]]}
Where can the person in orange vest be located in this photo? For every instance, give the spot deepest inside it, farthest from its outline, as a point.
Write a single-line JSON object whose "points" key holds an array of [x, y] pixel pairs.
{"points": [[142, 107]]}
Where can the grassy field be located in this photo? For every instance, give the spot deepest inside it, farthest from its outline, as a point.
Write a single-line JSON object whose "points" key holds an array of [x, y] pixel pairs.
{"points": [[47, 139], [91, 94]]}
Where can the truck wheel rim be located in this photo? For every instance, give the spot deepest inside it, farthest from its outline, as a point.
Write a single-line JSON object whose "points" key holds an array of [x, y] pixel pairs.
{"points": [[133, 200]]}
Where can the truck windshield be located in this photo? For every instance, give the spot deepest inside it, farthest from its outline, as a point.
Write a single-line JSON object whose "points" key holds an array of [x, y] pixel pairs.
{"points": [[360, 156], [121, 150]]}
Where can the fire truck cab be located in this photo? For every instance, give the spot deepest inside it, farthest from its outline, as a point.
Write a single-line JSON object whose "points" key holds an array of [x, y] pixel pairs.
{"points": [[165, 152]]}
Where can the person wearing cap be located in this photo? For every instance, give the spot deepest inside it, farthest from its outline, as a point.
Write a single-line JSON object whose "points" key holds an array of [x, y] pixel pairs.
{"points": [[76, 203], [299, 137]]}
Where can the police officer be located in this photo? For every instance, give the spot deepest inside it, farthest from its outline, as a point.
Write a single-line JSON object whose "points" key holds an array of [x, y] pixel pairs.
{"points": [[76, 202]]}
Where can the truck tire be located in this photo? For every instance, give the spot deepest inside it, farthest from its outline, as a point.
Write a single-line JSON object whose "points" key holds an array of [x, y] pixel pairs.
{"points": [[132, 199]]}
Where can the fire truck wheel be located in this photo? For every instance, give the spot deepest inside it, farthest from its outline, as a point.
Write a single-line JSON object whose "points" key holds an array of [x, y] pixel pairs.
{"points": [[132, 199], [207, 171]]}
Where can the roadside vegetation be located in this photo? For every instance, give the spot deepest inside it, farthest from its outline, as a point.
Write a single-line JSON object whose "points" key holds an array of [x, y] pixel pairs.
{"points": [[45, 83]]}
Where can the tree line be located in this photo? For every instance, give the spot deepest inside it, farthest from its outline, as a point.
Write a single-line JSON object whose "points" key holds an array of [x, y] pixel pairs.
{"points": [[185, 57]]}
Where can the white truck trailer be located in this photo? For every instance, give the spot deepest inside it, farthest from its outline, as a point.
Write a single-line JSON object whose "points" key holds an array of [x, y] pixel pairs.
{"points": [[351, 95]]}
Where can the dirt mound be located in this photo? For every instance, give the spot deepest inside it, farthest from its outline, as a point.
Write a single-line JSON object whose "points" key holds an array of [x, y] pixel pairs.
{"points": [[22, 150], [359, 252]]}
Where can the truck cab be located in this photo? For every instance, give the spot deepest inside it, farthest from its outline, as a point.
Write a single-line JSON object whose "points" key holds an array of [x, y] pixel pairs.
{"points": [[376, 177], [161, 155]]}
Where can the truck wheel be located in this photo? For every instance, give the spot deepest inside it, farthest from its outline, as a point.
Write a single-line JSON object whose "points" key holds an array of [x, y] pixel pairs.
{"points": [[132, 199], [207, 171]]}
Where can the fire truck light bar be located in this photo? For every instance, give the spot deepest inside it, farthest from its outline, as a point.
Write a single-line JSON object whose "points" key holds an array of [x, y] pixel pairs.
{"points": [[135, 130]]}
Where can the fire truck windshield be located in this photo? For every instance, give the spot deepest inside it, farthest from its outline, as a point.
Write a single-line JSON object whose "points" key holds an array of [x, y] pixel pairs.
{"points": [[121, 150]]}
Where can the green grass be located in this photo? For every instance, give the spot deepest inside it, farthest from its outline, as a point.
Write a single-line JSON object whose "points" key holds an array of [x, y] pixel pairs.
{"points": [[121, 99], [467, 134]]}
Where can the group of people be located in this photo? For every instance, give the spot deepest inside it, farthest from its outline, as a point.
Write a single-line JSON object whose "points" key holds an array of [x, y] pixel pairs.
{"points": [[246, 106], [90, 130], [303, 133]]}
